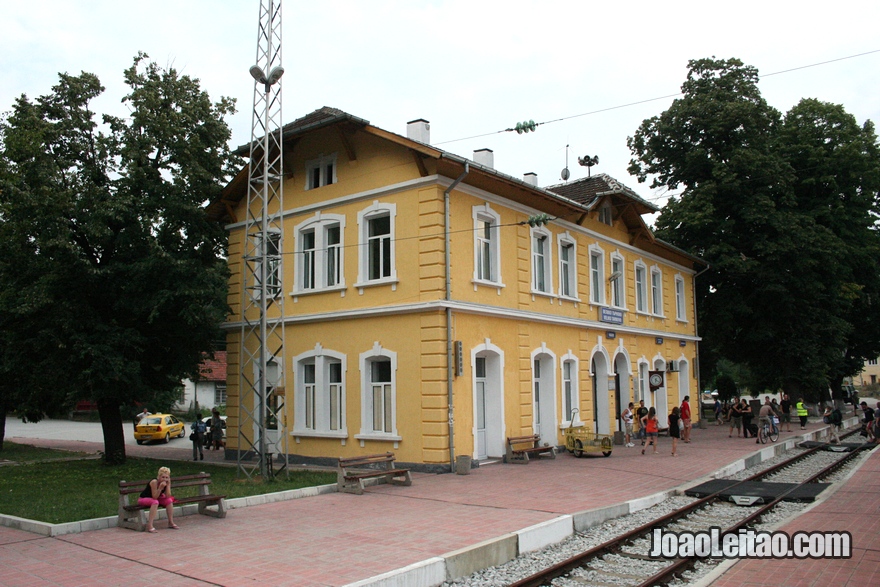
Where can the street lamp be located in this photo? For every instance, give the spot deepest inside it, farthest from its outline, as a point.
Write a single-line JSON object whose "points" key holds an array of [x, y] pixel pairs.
{"points": [[270, 80]]}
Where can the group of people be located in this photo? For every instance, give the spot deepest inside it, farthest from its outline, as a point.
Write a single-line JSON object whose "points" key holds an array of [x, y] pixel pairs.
{"points": [[739, 414], [648, 429], [201, 436]]}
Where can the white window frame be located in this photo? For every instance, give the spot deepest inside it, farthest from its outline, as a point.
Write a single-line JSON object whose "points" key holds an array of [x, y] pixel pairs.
{"points": [[482, 247], [321, 358], [373, 212], [365, 360], [656, 290], [680, 299], [220, 396], [274, 276], [606, 213], [641, 287], [569, 359], [597, 275], [618, 283], [568, 276], [542, 262], [320, 163], [320, 225]]}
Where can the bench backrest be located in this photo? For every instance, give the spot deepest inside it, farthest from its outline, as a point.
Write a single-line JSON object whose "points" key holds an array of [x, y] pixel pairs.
{"points": [[129, 487], [367, 460], [532, 439]]}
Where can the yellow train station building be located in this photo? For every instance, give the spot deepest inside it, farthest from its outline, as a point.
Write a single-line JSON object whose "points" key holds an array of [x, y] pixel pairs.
{"points": [[435, 306]]}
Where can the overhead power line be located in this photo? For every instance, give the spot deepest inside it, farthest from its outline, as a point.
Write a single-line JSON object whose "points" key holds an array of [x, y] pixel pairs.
{"points": [[666, 97]]}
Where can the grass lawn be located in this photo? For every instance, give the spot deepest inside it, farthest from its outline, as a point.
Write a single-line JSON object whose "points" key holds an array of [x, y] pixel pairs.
{"points": [[25, 453], [69, 491]]}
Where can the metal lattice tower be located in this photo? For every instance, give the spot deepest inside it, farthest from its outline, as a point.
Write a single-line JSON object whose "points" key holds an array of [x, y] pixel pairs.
{"points": [[262, 422]]}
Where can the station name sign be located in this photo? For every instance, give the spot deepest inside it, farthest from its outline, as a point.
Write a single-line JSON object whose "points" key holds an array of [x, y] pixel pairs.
{"points": [[610, 316]]}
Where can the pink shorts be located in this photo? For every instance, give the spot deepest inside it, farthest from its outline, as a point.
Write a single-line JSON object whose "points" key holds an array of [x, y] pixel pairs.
{"points": [[149, 501]]}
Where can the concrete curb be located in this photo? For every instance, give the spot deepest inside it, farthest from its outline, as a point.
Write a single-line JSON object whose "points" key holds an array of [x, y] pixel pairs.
{"points": [[46, 529], [497, 551]]}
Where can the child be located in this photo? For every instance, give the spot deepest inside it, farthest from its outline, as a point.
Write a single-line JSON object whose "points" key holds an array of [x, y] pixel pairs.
{"points": [[674, 429]]}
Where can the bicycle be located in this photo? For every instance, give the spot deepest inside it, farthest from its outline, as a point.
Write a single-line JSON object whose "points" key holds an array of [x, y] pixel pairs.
{"points": [[770, 431]]}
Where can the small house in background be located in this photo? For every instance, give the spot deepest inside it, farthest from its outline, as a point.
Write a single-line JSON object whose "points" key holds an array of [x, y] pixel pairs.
{"points": [[209, 390]]}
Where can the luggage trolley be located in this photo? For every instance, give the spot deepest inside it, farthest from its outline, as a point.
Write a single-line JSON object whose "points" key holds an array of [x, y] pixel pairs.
{"points": [[578, 440]]}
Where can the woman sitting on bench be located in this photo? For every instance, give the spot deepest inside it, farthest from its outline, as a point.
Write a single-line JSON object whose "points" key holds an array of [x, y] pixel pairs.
{"points": [[156, 493]]}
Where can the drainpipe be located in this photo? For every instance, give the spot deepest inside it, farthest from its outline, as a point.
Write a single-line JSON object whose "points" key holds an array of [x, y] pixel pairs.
{"points": [[448, 297]]}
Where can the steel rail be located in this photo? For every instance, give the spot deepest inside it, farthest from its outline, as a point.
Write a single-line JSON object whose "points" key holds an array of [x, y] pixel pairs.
{"points": [[663, 577], [565, 567]]}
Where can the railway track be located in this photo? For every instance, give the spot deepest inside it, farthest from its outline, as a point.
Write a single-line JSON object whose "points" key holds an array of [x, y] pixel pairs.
{"points": [[625, 561]]}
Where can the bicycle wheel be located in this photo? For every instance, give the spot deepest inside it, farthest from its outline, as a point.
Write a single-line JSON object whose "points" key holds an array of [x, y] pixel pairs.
{"points": [[762, 434], [774, 433]]}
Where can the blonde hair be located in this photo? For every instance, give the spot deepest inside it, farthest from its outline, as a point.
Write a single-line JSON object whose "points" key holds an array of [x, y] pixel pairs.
{"points": [[164, 471]]}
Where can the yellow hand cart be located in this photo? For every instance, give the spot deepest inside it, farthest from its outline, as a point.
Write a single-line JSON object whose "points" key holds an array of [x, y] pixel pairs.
{"points": [[578, 440]]}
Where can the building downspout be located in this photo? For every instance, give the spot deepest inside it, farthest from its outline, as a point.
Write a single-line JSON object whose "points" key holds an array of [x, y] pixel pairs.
{"points": [[448, 297]]}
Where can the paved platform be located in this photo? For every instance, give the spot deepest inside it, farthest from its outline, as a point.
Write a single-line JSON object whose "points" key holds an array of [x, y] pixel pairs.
{"points": [[404, 535]]}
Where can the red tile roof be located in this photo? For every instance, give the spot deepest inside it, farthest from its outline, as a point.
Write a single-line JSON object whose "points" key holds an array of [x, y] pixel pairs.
{"points": [[213, 369]]}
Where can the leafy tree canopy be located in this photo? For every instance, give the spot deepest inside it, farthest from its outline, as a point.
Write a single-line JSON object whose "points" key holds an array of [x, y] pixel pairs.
{"points": [[783, 209], [115, 281]]}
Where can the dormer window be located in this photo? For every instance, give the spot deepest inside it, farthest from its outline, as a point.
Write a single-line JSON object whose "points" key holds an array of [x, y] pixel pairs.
{"points": [[605, 214], [321, 172]]}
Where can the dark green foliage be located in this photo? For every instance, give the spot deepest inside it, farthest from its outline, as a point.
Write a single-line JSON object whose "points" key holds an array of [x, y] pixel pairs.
{"points": [[782, 209], [114, 283], [726, 386]]}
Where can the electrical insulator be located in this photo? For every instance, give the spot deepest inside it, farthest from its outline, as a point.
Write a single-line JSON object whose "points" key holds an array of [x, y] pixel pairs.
{"points": [[527, 126]]}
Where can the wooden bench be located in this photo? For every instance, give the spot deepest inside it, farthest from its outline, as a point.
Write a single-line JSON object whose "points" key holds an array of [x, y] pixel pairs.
{"points": [[353, 470], [526, 445], [134, 516]]}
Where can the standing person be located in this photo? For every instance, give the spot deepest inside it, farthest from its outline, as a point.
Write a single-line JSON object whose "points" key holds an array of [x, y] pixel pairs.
{"points": [[868, 420], [156, 493], [746, 409], [717, 412], [686, 419], [674, 429], [627, 416], [217, 426], [139, 417], [802, 413], [785, 404], [198, 437], [735, 418], [651, 428], [834, 419], [641, 412]]}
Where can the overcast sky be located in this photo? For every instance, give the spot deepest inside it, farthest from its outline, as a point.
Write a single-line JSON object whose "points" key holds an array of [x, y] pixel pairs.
{"points": [[469, 67]]}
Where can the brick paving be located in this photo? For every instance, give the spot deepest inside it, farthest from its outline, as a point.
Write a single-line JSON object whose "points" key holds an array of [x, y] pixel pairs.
{"points": [[336, 539]]}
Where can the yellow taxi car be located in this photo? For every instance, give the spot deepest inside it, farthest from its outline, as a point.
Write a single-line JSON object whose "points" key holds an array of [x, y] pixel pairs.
{"points": [[159, 427]]}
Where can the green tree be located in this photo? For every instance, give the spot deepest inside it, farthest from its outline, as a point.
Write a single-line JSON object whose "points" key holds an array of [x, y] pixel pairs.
{"points": [[778, 295], [837, 168], [115, 283]]}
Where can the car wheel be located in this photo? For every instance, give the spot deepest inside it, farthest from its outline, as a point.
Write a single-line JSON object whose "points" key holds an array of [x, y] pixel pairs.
{"points": [[182, 433], [139, 441], [167, 437]]}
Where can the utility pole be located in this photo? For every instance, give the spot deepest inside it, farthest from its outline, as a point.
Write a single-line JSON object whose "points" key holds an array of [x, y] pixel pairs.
{"points": [[261, 360]]}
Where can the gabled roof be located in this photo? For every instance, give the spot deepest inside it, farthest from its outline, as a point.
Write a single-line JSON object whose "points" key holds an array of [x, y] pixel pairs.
{"points": [[590, 190], [325, 116]]}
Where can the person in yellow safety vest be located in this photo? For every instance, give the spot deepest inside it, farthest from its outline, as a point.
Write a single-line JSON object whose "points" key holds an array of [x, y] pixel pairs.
{"points": [[802, 413]]}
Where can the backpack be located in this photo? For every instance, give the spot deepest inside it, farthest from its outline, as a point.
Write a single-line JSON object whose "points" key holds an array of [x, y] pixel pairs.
{"points": [[836, 417]]}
